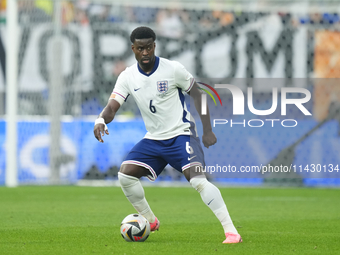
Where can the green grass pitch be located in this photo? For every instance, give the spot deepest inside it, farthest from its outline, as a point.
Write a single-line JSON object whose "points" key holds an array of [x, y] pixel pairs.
{"points": [[86, 220]]}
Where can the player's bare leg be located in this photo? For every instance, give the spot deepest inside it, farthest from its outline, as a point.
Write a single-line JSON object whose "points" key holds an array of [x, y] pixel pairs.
{"points": [[129, 176], [212, 197]]}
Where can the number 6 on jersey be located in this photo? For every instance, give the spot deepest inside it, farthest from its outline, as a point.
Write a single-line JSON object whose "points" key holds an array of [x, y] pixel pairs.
{"points": [[152, 108]]}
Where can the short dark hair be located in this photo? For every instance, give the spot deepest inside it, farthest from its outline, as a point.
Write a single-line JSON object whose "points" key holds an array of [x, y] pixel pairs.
{"points": [[142, 33]]}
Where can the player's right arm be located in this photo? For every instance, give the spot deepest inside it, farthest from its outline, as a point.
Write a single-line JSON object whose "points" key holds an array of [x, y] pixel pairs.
{"points": [[117, 98], [105, 117]]}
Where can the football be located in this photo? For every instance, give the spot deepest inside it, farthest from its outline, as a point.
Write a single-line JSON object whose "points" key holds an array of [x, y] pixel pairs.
{"points": [[135, 228]]}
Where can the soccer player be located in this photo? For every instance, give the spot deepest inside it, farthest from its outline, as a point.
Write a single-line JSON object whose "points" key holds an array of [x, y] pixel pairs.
{"points": [[157, 86]]}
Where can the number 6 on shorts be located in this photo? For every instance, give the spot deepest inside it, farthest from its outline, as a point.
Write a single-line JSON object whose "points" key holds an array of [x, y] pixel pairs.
{"points": [[188, 148]]}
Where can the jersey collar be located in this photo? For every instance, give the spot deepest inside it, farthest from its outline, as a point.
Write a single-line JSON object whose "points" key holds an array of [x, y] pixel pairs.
{"points": [[153, 69]]}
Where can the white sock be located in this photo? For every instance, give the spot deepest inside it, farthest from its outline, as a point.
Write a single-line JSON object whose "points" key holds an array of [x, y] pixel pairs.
{"points": [[212, 197], [134, 192]]}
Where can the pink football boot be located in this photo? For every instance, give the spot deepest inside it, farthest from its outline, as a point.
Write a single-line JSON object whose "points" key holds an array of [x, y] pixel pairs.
{"points": [[232, 238], [155, 225]]}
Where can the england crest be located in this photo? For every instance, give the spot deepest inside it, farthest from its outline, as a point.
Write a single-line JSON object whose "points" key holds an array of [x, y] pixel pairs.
{"points": [[162, 86]]}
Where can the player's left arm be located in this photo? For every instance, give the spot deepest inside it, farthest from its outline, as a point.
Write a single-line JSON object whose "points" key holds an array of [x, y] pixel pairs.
{"points": [[208, 137]]}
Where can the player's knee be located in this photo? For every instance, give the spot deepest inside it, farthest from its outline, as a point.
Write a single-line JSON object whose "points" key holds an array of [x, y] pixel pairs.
{"points": [[198, 183], [193, 172], [127, 180], [133, 170]]}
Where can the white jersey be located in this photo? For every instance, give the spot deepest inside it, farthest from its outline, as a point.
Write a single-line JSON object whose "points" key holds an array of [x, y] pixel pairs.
{"points": [[159, 96]]}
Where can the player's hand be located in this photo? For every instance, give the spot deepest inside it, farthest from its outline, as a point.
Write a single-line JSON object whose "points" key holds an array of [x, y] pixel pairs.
{"points": [[209, 139], [100, 130]]}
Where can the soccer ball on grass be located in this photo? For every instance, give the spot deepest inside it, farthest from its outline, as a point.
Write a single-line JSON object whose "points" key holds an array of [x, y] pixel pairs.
{"points": [[135, 228]]}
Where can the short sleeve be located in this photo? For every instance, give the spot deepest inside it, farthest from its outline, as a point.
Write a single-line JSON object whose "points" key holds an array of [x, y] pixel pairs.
{"points": [[183, 78], [121, 89]]}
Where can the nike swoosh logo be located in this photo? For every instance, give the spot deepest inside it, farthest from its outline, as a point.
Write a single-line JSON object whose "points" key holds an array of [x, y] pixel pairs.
{"points": [[136, 89], [211, 201], [192, 157]]}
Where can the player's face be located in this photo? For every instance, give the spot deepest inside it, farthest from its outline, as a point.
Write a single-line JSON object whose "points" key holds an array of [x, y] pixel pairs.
{"points": [[144, 50]]}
